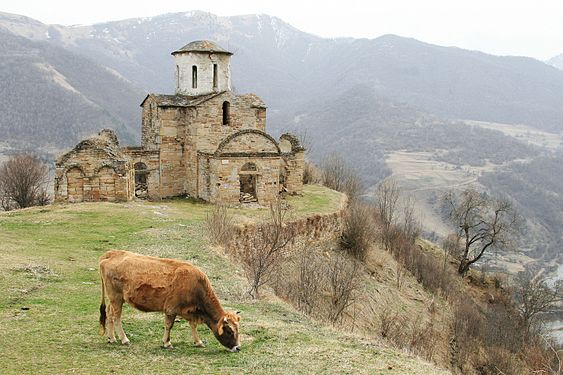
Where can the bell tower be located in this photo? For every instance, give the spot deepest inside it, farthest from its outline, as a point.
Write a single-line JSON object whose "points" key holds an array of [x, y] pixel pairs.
{"points": [[202, 67]]}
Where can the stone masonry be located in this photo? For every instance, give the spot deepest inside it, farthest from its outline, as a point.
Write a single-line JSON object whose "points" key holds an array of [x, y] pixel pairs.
{"points": [[204, 141]]}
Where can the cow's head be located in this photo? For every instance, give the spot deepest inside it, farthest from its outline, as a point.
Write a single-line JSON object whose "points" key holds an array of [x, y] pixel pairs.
{"points": [[227, 331]]}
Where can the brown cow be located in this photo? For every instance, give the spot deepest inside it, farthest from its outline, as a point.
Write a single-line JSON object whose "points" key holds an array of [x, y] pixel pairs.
{"points": [[168, 285]]}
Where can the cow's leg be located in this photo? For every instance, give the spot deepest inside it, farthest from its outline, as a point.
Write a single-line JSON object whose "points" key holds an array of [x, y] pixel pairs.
{"points": [[168, 324], [116, 307], [197, 340], [110, 331]]}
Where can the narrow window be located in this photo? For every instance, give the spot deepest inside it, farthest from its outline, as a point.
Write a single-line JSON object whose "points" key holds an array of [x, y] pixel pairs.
{"points": [[226, 110], [194, 77], [177, 76], [214, 76]]}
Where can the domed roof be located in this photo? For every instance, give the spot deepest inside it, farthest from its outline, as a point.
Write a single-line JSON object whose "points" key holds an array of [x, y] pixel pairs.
{"points": [[202, 46]]}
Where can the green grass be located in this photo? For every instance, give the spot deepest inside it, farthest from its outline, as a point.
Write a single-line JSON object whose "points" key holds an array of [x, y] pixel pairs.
{"points": [[49, 298]]}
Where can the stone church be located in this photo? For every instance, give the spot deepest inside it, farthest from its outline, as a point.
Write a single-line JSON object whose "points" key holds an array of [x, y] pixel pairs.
{"points": [[204, 141]]}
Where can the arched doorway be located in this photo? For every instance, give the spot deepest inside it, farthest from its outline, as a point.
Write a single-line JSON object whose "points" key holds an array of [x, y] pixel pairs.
{"points": [[75, 185], [141, 175], [248, 175]]}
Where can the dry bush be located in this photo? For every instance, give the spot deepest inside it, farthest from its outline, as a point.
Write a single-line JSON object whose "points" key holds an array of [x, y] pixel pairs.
{"points": [[358, 229], [311, 274], [268, 244], [410, 227], [406, 331], [219, 226], [311, 174], [387, 197], [23, 182], [338, 176], [343, 283]]}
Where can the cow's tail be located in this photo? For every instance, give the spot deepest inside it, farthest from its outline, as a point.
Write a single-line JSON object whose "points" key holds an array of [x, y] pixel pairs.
{"points": [[102, 308]]}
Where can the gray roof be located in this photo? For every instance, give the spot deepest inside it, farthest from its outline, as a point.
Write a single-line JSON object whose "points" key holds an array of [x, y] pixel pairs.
{"points": [[202, 46], [180, 100]]}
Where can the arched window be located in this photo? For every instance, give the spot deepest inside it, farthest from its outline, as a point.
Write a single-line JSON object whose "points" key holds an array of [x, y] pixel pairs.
{"points": [[177, 76], [194, 77], [226, 112], [215, 77]]}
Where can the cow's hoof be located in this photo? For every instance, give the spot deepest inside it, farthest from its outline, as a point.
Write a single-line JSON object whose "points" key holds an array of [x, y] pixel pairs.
{"points": [[126, 343], [167, 347], [110, 341], [200, 344]]}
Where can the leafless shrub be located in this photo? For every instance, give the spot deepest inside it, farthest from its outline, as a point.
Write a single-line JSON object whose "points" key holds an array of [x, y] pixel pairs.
{"points": [[411, 227], [219, 226], [311, 174], [406, 331], [357, 234], [387, 196], [23, 182], [266, 252], [338, 176], [311, 274], [343, 284], [389, 321]]}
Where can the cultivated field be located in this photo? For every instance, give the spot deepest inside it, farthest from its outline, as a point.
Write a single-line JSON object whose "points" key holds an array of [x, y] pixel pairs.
{"points": [[50, 292]]}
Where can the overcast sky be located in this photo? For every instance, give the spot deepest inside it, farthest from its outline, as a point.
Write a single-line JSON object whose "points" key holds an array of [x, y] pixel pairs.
{"points": [[502, 27]]}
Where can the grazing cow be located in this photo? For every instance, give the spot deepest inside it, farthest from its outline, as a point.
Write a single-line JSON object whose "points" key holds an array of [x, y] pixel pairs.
{"points": [[172, 286]]}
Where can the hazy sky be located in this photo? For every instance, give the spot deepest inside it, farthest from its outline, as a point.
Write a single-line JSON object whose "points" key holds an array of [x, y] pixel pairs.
{"points": [[502, 27]]}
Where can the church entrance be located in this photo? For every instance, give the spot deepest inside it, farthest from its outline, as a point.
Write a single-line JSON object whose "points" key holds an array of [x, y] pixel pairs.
{"points": [[248, 175], [141, 172]]}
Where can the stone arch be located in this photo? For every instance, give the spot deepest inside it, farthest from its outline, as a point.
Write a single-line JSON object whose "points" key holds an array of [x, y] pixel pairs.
{"points": [[290, 143], [275, 149], [75, 184]]}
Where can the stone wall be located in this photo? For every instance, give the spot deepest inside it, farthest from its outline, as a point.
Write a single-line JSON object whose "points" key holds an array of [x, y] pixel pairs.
{"points": [[225, 179], [95, 170], [309, 229], [151, 159]]}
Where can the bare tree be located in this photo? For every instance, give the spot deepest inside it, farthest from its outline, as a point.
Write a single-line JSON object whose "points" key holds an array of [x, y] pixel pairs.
{"points": [[387, 196], [483, 224], [266, 252], [411, 226], [533, 298], [23, 180], [340, 177]]}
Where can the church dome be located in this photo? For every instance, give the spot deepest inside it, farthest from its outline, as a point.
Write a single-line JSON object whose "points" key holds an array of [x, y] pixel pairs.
{"points": [[202, 46]]}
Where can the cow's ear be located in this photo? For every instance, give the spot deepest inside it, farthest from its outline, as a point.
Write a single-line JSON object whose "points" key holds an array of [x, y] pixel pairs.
{"points": [[220, 327]]}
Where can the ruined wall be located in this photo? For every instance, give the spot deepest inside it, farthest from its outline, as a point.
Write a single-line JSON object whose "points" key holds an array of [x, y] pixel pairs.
{"points": [[310, 229], [94, 170], [225, 177], [150, 126], [151, 158]]}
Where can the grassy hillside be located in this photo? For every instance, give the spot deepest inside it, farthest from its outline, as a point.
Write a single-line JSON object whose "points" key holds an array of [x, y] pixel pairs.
{"points": [[50, 292]]}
